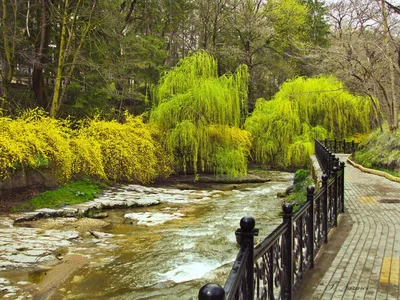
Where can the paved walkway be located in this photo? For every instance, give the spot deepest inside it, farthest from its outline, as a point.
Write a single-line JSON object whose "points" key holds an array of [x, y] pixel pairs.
{"points": [[367, 264]]}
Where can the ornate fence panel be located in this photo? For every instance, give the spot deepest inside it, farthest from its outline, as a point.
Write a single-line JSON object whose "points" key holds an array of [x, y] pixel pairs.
{"points": [[239, 284], [324, 157], [319, 220], [331, 203], [274, 268], [269, 265], [303, 242]]}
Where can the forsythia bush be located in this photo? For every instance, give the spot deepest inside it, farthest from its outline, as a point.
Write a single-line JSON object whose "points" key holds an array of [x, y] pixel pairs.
{"points": [[35, 140], [128, 152], [102, 149], [87, 157]]}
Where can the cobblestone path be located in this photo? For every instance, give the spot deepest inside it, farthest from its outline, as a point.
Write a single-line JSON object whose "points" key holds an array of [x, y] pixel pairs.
{"points": [[367, 264]]}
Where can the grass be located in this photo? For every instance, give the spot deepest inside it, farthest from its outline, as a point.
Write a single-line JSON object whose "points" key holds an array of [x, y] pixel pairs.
{"points": [[299, 195], [381, 151], [71, 193]]}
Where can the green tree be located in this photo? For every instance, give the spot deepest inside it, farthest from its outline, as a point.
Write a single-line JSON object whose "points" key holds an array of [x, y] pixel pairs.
{"points": [[200, 114], [74, 24], [267, 36], [123, 59], [283, 129], [317, 22]]}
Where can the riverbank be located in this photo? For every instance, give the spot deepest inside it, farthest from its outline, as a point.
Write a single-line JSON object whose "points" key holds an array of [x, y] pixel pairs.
{"points": [[17, 199], [13, 198]]}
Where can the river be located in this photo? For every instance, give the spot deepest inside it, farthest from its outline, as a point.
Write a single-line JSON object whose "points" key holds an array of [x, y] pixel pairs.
{"points": [[187, 244]]}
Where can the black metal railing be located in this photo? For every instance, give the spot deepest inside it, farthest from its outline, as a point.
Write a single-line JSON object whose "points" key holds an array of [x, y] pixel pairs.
{"points": [[340, 146], [274, 268], [326, 158]]}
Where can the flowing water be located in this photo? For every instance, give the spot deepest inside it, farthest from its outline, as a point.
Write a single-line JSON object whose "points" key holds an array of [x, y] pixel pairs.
{"points": [[173, 259]]}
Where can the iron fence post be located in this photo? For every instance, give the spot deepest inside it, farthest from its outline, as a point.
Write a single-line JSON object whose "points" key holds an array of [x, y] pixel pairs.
{"points": [[335, 192], [310, 224], [287, 253], [342, 166], [332, 160], [329, 159], [334, 145], [211, 291], [245, 236], [325, 207]]}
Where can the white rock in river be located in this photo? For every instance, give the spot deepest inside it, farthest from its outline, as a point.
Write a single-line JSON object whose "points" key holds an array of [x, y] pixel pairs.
{"points": [[101, 235], [151, 219]]}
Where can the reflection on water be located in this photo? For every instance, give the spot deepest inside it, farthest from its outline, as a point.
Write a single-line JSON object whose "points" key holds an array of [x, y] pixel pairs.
{"points": [[176, 255]]}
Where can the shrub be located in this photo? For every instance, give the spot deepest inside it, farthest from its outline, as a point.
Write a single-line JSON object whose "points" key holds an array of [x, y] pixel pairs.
{"points": [[125, 151], [110, 150], [301, 175], [380, 151], [299, 192], [35, 140]]}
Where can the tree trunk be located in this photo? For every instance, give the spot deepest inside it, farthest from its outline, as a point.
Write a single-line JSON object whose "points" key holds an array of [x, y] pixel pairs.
{"points": [[39, 86], [393, 123], [38, 82], [55, 103], [77, 52], [9, 52]]}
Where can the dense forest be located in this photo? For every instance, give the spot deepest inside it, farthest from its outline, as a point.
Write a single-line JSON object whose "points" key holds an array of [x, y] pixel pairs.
{"points": [[190, 85]]}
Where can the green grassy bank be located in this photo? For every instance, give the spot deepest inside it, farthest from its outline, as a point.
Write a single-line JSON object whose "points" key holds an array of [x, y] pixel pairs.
{"points": [[69, 194]]}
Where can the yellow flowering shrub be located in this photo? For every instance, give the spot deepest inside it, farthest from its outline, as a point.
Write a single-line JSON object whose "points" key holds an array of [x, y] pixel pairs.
{"points": [[87, 159], [35, 140], [129, 151]]}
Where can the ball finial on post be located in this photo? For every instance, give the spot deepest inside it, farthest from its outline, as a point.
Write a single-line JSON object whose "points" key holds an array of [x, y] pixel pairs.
{"points": [[310, 189], [324, 177], [247, 223], [211, 291], [287, 208]]}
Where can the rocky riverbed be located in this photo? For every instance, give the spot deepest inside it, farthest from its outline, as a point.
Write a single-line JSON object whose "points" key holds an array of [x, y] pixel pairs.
{"points": [[40, 241]]}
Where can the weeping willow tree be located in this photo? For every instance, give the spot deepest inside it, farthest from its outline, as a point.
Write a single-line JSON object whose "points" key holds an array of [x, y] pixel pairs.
{"points": [[201, 114], [283, 129]]}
